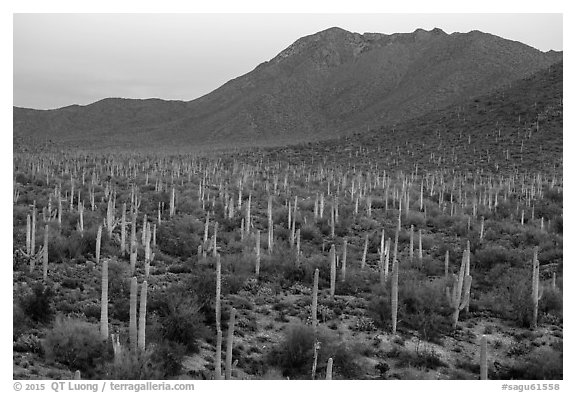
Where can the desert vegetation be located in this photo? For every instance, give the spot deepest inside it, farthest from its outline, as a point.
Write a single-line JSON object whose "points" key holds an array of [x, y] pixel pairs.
{"points": [[406, 260]]}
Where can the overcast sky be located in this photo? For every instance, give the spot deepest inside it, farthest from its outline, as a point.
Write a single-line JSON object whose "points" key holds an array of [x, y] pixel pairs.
{"points": [[64, 59]]}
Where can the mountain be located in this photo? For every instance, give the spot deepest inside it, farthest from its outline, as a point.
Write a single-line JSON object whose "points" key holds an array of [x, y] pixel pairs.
{"points": [[516, 129], [324, 85]]}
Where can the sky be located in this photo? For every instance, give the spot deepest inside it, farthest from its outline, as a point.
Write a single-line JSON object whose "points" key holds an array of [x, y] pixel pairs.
{"points": [[64, 59]]}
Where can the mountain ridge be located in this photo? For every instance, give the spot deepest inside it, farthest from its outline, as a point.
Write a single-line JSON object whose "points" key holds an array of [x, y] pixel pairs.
{"points": [[326, 84]]}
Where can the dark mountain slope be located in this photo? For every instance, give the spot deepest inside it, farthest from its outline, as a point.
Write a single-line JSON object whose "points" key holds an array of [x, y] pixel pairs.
{"points": [[327, 84], [518, 128]]}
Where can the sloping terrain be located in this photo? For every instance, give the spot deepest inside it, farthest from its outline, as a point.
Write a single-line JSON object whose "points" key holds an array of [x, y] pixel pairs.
{"points": [[324, 85]]}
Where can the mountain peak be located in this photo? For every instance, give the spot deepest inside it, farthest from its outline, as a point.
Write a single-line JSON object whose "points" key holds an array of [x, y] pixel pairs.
{"points": [[329, 83]]}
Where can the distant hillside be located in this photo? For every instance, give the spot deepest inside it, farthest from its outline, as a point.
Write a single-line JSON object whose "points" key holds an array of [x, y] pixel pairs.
{"points": [[517, 128], [324, 85]]}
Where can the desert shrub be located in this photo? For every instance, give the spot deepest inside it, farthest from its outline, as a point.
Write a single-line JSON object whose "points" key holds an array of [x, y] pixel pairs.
{"points": [[202, 286], [28, 343], [380, 309], [509, 296], [542, 364], [118, 281], [72, 283], [416, 219], [178, 237], [557, 225], [167, 357], [355, 283], [76, 344], [310, 233], [138, 365], [346, 361], [550, 255], [294, 355], [551, 302], [487, 257], [179, 269], [179, 317], [422, 306], [20, 321], [364, 324], [38, 305], [427, 359], [233, 283]]}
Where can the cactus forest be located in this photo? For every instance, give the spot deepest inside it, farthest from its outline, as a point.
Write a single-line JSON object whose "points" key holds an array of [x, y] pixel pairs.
{"points": [[431, 250]]}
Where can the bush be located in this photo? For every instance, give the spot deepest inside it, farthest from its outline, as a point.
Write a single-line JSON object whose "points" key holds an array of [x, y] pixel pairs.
{"points": [[138, 365], [542, 364], [551, 302], [488, 257], [346, 361], [76, 344], [38, 304], [167, 357], [294, 355], [178, 237], [179, 317], [19, 321], [28, 343]]}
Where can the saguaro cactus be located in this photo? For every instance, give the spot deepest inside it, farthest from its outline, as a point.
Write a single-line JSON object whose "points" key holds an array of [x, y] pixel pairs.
{"points": [[483, 358], [411, 243], [364, 253], [332, 271], [420, 255], [230, 343], [133, 245], [315, 300], [45, 255], [257, 249], [123, 231], [98, 244], [33, 232], [329, 369], [133, 327], [218, 290], [460, 295], [394, 294], [218, 357], [537, 291], [104, 301], [28, 235], [446, 265], [142, 317], [344, 256], [270, 226]]}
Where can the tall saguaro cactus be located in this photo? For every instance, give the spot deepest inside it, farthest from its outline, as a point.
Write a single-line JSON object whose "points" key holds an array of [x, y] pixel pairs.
{"points": [[270, 226], [45, 255], [230, 344], [329, 369], [459, 297], [133, 245], [257, 249], [483, 358], [123, 231], [133, 327], [394, 294], [364, 253], [537, 291], [218, 359], [344, 257], [104, 301], [332, 271], [98, 244], [315, 300], [142, 317]]}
